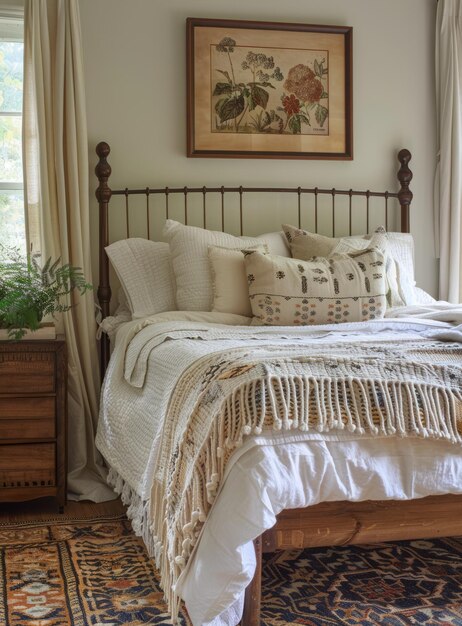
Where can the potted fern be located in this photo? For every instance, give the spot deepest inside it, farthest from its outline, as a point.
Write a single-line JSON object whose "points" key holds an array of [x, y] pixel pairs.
{"points": [[30, 292]]}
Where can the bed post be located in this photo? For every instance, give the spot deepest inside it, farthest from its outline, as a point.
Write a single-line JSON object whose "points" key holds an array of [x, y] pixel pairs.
{"points": [[103, 195], [252, 603], [405, 194]]}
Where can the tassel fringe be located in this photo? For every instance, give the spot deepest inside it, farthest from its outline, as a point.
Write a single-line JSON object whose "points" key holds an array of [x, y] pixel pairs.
{"points": [[180, 505]]}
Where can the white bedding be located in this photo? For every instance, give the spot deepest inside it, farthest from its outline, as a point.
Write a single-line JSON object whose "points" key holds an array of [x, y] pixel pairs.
{"points": [[276, 476]]}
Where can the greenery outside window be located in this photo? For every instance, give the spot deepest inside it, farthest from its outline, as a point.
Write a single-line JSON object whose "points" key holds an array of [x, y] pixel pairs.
{"points": [[12, 222]]}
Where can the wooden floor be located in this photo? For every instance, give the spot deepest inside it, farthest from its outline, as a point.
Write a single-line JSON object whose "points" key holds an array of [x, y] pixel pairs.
{"points": [[46, 509]]}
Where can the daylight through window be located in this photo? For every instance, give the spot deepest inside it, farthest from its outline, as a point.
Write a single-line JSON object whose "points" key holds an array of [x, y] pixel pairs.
{"points": [[12, 225]]}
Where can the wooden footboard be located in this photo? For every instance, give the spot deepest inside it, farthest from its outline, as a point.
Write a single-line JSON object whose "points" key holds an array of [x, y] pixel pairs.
{"points": [[345, 523]]}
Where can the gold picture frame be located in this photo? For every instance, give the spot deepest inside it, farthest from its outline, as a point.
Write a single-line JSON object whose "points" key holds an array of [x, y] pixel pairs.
{"points": [[269, 90]]}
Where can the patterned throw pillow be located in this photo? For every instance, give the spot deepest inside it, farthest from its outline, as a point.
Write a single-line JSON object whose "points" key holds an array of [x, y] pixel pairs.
{"points": [[291, 292], [400, 260]]}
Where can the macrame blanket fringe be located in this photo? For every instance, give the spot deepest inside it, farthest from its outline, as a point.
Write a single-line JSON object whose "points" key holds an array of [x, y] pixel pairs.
{"points": [[185, 489], [137, 511]]}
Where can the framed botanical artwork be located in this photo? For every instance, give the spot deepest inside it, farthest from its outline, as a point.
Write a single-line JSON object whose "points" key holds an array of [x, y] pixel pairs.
{"points": [[269, 90]]}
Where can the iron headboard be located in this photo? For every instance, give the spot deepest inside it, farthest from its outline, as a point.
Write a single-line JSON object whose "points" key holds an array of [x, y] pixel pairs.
{"points": [[104, 194]]}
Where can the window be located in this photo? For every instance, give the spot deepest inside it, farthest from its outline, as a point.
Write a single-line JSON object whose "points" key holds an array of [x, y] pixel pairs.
{"points": [[12, 223]]}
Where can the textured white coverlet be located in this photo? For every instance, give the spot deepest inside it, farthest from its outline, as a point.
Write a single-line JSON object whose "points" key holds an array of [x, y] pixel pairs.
{"points": [[132, 414]]}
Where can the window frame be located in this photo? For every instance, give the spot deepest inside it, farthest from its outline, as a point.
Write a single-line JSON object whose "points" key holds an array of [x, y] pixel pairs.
{"points": [[12, 30]]}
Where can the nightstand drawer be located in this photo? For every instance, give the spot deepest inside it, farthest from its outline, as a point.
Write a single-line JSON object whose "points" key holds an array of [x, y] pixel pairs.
{"points": [[27, 465], [27, 408], [32, 372], [27, 418], [33, 420], [27, 429]]}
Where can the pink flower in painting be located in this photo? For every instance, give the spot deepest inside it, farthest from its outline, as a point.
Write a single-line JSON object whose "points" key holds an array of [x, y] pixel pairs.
{"points": [[302, 82]]}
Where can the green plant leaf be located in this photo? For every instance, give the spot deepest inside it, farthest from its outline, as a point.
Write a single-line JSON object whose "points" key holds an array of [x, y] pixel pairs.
{"points": [[28, 291]]}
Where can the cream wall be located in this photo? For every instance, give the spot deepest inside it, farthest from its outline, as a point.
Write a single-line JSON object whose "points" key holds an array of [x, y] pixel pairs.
{"points": [[134, 53]]}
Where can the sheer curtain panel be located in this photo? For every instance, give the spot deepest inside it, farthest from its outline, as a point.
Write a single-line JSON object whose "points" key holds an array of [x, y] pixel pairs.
{"points": [[57, 209], [448, 188]]}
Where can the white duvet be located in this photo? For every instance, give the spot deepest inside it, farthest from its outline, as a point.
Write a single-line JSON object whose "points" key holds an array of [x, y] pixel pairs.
{"points": [[264, 476]]}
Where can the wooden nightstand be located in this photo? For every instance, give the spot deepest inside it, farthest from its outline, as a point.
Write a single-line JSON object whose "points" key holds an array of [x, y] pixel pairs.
{"points": [[33, 420]]}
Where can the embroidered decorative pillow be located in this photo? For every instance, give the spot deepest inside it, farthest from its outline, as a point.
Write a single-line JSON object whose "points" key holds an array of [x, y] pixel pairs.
{"points": [[189, 249], [230, 293], [400, 266], [291, 292]]}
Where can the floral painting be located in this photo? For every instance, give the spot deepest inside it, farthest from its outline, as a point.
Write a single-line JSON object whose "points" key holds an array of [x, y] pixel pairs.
{"points": [[261, 90], [269, 90]]}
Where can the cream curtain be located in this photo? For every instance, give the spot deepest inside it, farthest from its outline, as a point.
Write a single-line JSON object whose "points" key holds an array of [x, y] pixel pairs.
{"points": [[448, 187], [57, 209]]}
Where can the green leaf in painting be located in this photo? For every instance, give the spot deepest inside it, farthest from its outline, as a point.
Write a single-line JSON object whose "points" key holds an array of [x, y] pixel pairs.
{"points": [[222, 88], [266, 120], [321, 114], [295, 124], [250, 101], [226, 75], [265, 84], [259, 96], [324, 95], [231, 108], [317, 68], [219, 104]]}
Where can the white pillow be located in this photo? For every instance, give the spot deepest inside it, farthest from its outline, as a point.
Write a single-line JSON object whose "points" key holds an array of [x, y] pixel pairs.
{"points": [[230, 292], [401, 246], [145, 272], [189, 249], [277, 243]]}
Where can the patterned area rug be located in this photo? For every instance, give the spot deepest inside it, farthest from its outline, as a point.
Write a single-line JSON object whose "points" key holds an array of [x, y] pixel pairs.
{"points": [[97, 573], [77, 573], [402, 584]]}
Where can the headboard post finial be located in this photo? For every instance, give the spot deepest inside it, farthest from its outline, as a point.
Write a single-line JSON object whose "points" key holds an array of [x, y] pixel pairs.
{"points": [[103, 195], [405, 194]]}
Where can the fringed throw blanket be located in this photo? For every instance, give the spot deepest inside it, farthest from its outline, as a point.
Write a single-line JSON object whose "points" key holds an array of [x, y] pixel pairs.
{"points": [[413, 388]]}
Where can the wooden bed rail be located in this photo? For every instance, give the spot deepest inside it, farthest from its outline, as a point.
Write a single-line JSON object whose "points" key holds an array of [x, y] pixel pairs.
{"points": [[104, 194], [352, 523]]}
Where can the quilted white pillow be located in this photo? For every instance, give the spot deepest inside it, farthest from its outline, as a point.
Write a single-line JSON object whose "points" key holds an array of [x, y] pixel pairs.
{"points": [[305, 245], [145, 272], [189, 249]]}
